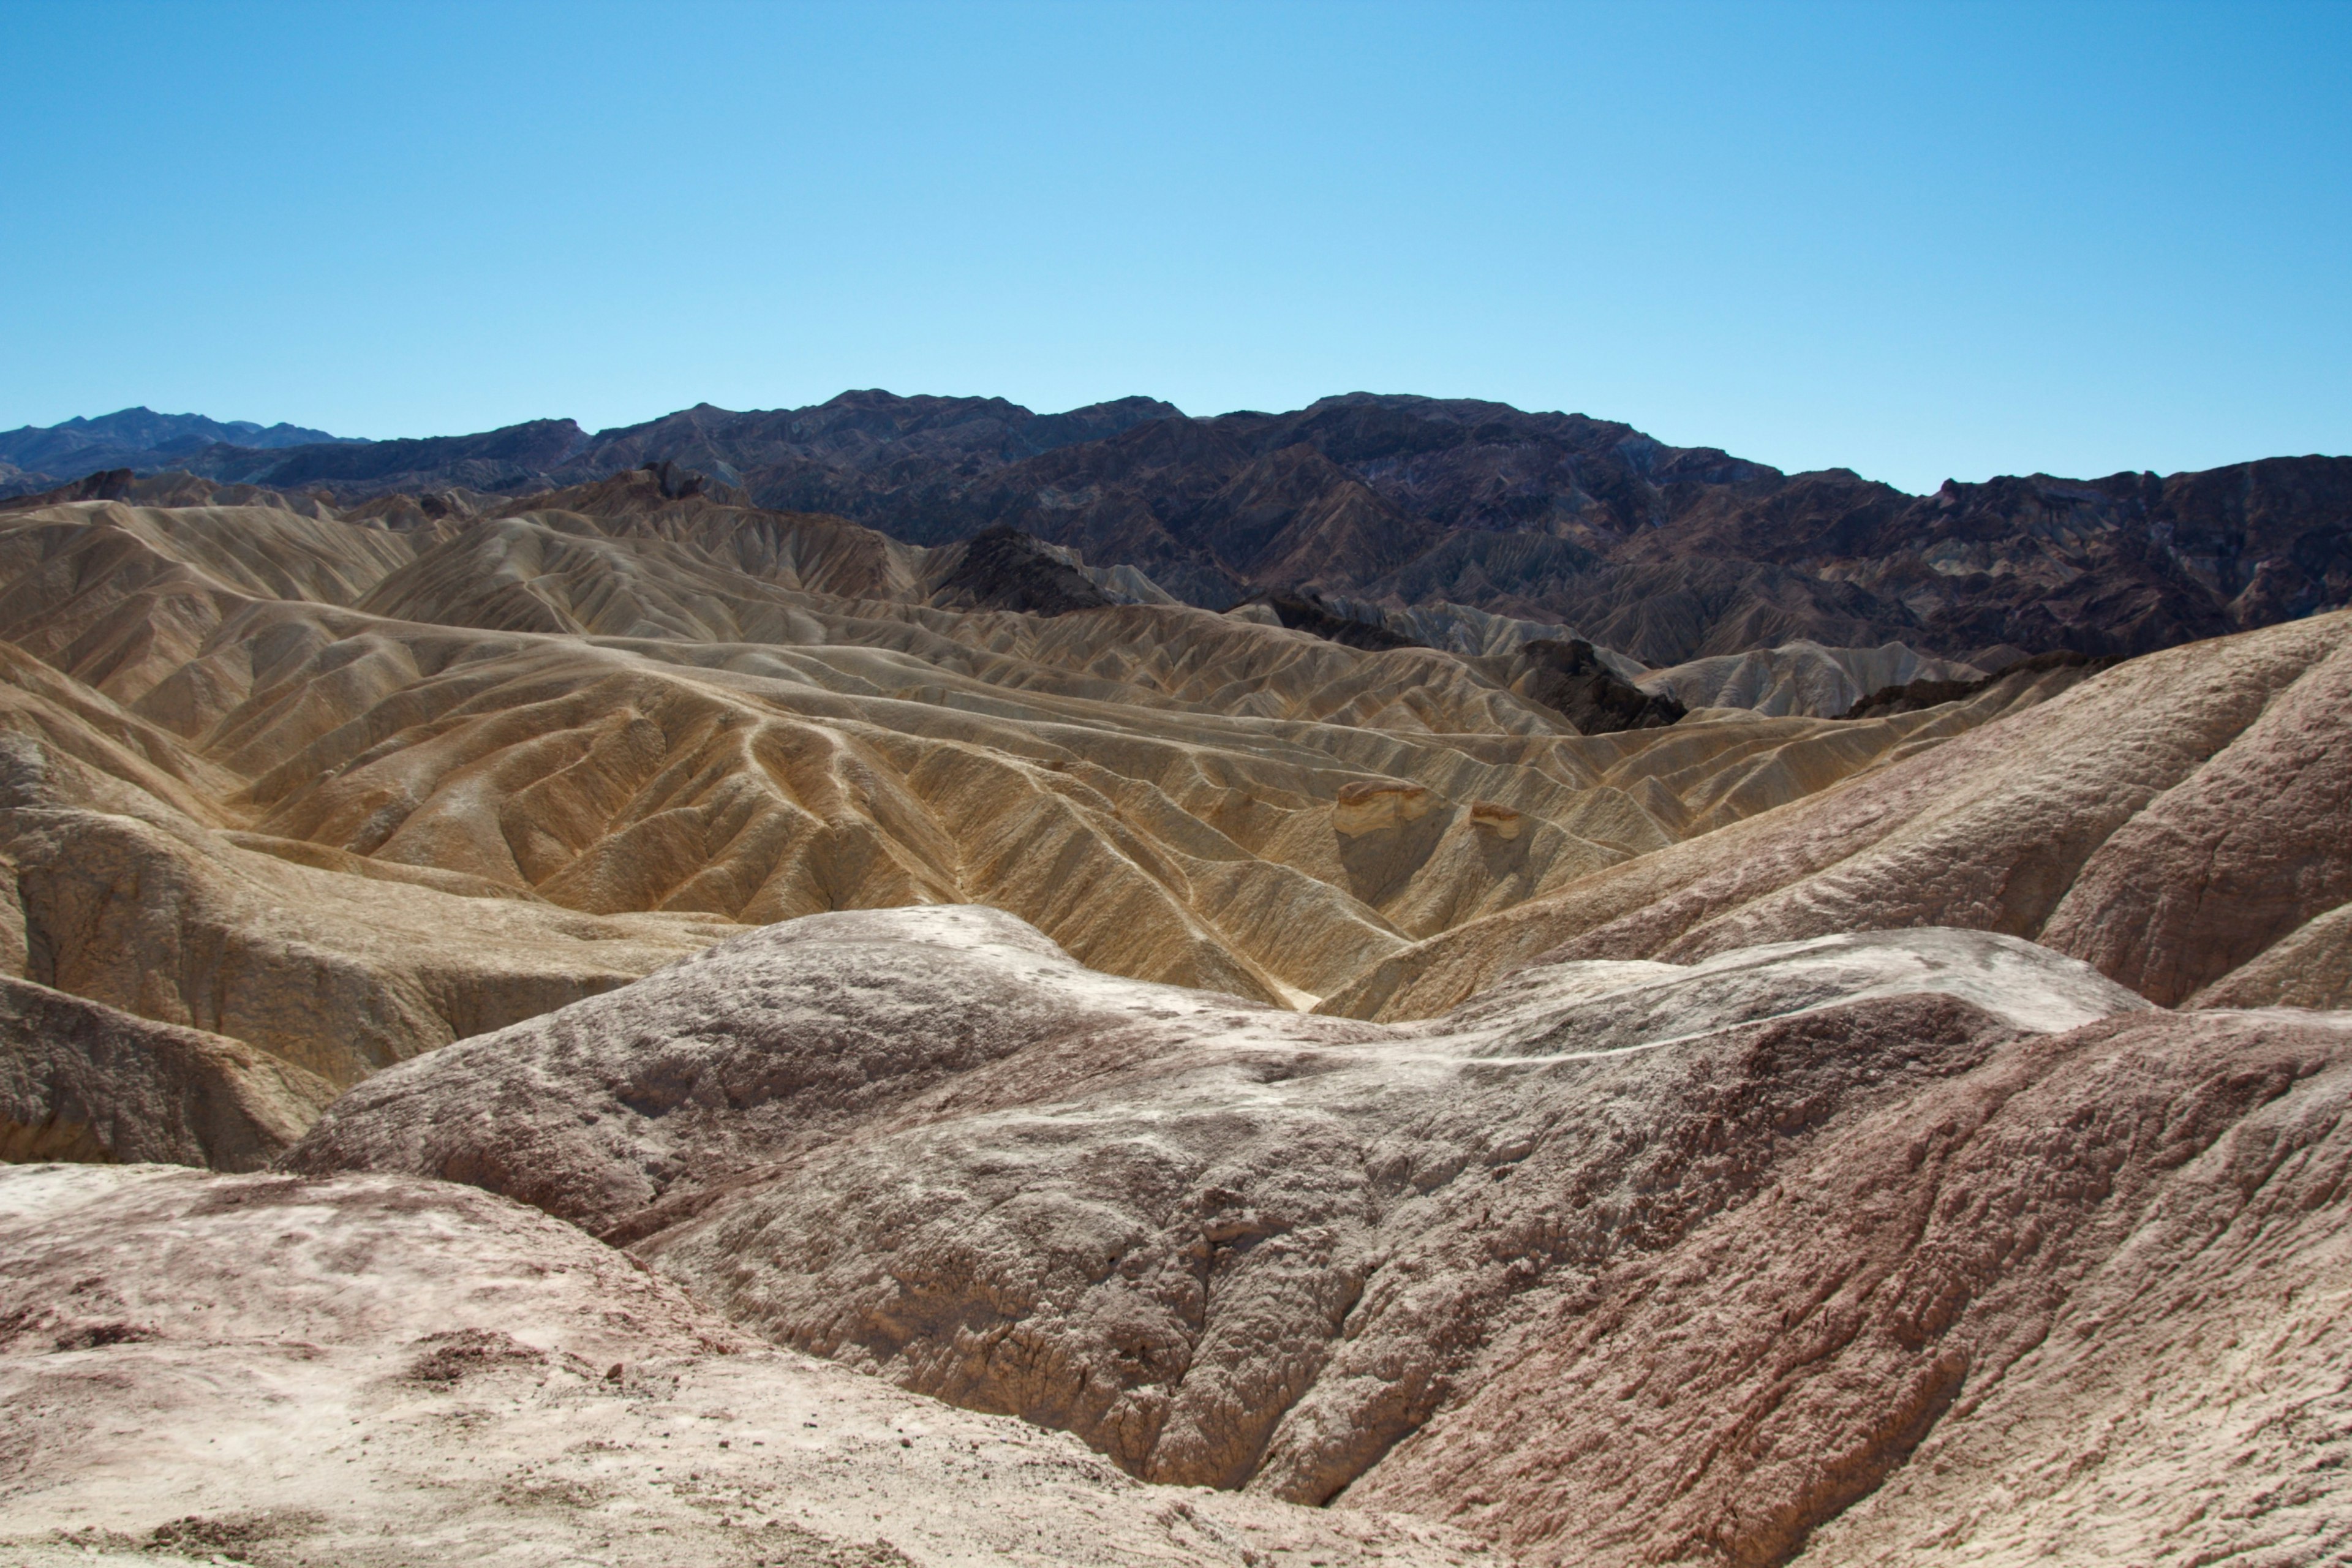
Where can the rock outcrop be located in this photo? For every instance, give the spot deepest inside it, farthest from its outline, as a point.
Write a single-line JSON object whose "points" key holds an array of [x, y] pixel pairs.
{"points": [[197, 1368], [1571, 678], [83, 1081], [1621, 1262], [1003, 568]]}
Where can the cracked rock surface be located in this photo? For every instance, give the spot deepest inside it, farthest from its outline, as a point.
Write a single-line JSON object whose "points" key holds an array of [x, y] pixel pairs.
{"points": [[379, 1370], [1623, 1261]]}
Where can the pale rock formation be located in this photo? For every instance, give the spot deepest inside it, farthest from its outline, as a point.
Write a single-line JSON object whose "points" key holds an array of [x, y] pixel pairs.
{"points": [[1624, 1261], [1800, 677], [197, 1368], [2079, 1304], [1371, 807], [2241, 853]]}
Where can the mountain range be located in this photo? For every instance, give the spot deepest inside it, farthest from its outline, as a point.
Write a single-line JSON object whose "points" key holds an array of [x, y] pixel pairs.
{"points": [[553, 1006], [142, 438], [1383, 504]]}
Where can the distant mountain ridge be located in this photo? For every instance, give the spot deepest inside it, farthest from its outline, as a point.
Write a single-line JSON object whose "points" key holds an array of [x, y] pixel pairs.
{"points": [[142, 439], [1670, 553]]}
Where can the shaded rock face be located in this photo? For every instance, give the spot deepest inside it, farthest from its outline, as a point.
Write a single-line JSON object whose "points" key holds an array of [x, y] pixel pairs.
{"points": [[83, 1081], [1911, 696], [1302, 612], [1623, 1262], [1003, 568], [676, 481], [1570, 678], [105, 484], [382, 1371]]}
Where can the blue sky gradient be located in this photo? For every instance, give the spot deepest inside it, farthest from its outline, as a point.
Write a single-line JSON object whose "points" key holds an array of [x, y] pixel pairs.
{"points": [[1917, 240]]}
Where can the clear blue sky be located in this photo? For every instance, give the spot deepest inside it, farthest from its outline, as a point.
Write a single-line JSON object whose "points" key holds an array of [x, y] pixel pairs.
{"points": [[1917, 240]]}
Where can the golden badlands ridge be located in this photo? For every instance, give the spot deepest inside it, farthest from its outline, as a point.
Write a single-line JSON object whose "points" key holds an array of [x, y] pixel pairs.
{"points": [[1348, 1113]]}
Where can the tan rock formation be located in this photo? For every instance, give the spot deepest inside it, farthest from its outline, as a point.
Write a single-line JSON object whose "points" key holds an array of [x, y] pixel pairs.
{"points": [[1174, 795], [2170, 819], [122, 887], [128, 901]]}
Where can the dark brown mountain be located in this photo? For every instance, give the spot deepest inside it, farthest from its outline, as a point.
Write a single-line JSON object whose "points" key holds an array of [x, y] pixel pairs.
{"points": [[1667, 553], [516, 459], [1003, 568], [1566, 677], [862, 432]]}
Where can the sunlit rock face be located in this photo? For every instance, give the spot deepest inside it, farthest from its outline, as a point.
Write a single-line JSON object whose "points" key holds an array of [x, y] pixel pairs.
{"points": [[2182, 822]]}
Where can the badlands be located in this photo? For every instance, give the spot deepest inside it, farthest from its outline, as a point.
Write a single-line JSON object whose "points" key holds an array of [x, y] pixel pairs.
{"points": [[622, 1026]]}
